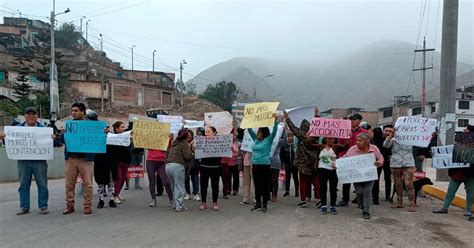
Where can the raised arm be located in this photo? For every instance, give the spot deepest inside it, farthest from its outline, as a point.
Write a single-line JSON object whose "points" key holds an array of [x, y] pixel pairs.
{"points": [[252, 134]]}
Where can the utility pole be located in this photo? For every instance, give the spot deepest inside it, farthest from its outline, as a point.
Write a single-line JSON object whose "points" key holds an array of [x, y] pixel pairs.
{"points": [[132, 56], [81, 24], [101, 44], [87, 30], [181, 67], [447, 103], [101, 78], [153, 67], [423, 75]]}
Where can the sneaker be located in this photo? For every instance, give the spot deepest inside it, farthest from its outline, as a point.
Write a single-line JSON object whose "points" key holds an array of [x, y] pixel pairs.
{"points": [[333, 211], [355, 201], [264, 210], [225, 197], [121, 198], [44, 211], [181, 209], [126, 188], [112, 204], [302, 205], [441, 211], [468, 213], [234, 192], [159, 193], [152, 204], [324, 210], [68, 211], [318, 204], [187, 197], [101, 204], [197, 197], [366, 216], [87, 210], [203, 206], [255, 208], [171, 204], [117, 200], [342, 204], [244, 203], [286, 194], [23, 212], [297, 194], [215, 207]]}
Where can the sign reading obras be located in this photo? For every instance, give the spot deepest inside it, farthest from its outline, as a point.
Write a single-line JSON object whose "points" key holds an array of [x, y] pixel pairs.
{"points": [[259, 115], [151, 134]]}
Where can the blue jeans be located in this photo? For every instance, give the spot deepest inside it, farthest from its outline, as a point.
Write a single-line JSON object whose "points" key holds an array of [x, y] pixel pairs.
{"points": [[26, 169], [194, 176]]}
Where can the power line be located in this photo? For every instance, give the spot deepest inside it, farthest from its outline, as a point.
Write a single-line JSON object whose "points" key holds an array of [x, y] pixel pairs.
{"points": [[90, 11]]}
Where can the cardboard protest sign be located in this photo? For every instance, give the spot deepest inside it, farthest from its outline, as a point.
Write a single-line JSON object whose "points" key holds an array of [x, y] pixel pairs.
{"points": [[443, 158], [356, 169], [213, 146], [463, 151], [222, 121], [414, 131], [259, 114], [135, 172], [121, 139], [191, 124], [247, 141], [29, 143], [176, 122], [330, 128], [85, 136], [151, 134]]}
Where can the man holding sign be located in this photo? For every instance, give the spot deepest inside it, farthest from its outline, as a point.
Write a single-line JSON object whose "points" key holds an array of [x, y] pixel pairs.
{"points": [[82, 141], [361, 170], [28, 144]]}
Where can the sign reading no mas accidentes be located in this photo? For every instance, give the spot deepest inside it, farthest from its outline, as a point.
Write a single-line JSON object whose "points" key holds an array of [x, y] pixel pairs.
{"points": [[29, 143], [85, 136], [330, 128]]}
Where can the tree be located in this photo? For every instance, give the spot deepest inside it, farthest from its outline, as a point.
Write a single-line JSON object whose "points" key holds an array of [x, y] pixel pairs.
{"points": [[10, 108], [21, 89], [190, 88], [223, 94], [67, 36]]}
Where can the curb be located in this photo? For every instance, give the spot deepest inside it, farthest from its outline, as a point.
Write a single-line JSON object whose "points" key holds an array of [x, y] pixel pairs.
{"points": [[440, 193]]}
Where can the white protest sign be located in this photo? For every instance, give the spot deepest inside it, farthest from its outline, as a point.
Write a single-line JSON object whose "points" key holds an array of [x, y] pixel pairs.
{"points": [[29, 143], [176, 122], [191, 124], [443, 158], [121, 139], [213, 146], [415, 131], [222, 121], [247, 141], [356, 169], [298, 114]]}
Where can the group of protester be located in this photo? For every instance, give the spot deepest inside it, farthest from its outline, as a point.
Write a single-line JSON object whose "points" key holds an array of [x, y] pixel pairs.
{"points": [[309, 161]]}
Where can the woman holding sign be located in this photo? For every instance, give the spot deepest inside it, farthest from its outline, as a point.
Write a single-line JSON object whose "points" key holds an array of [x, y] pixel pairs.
{"points": [[364, 189], [261, 148], [122, 157], [210, 169], [402, 164]]}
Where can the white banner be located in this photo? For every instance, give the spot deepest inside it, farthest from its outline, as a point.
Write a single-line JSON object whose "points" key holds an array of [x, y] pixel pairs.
{"points": [[191, 124], [175, 121], [121, 139], [415, 131], [356, 169], [29, 143], [297, 115], [247, 141], [443, 158], [213, 146], [222, 121]]}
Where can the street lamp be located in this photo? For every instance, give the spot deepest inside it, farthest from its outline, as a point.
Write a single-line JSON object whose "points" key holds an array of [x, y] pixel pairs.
{"points": [[256, 84], [132, 56], [87, 29], [83, 17], [53, 85], [181, 67], [153, 68]]}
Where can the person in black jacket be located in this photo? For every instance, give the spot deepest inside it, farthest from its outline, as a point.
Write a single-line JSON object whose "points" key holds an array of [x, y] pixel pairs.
{"points": [[378, 139], [287, 157]]}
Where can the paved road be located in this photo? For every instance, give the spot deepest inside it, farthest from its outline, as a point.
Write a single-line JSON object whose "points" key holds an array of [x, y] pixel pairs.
{"points": [[134, 224]]}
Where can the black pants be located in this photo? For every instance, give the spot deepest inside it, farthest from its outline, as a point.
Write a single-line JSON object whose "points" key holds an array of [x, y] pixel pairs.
{"points": [[261, 180], [387, 173], [346, 191], [275, 175], [234, 178], [159, 185], [326, 176], [291, 171], [214, 174]]}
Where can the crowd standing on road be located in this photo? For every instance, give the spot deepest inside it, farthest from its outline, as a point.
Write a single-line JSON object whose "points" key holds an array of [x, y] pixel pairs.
{"points": [[309, 160]]}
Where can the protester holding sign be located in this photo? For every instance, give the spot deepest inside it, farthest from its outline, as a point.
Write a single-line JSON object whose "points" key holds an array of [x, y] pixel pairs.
{"points": [[156, 171], [210, 169], [28, 168], [261, 148], [364, 189], [457, 176], [180, 158], [79, 162], [402, 164]]}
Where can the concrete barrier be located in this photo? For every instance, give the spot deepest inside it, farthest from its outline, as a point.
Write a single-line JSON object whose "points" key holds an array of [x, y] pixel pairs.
{"points": [[9, 168]]}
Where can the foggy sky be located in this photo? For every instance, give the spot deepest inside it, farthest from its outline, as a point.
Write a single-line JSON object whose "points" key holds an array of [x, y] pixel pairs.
{"points": [[208, 32]]}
